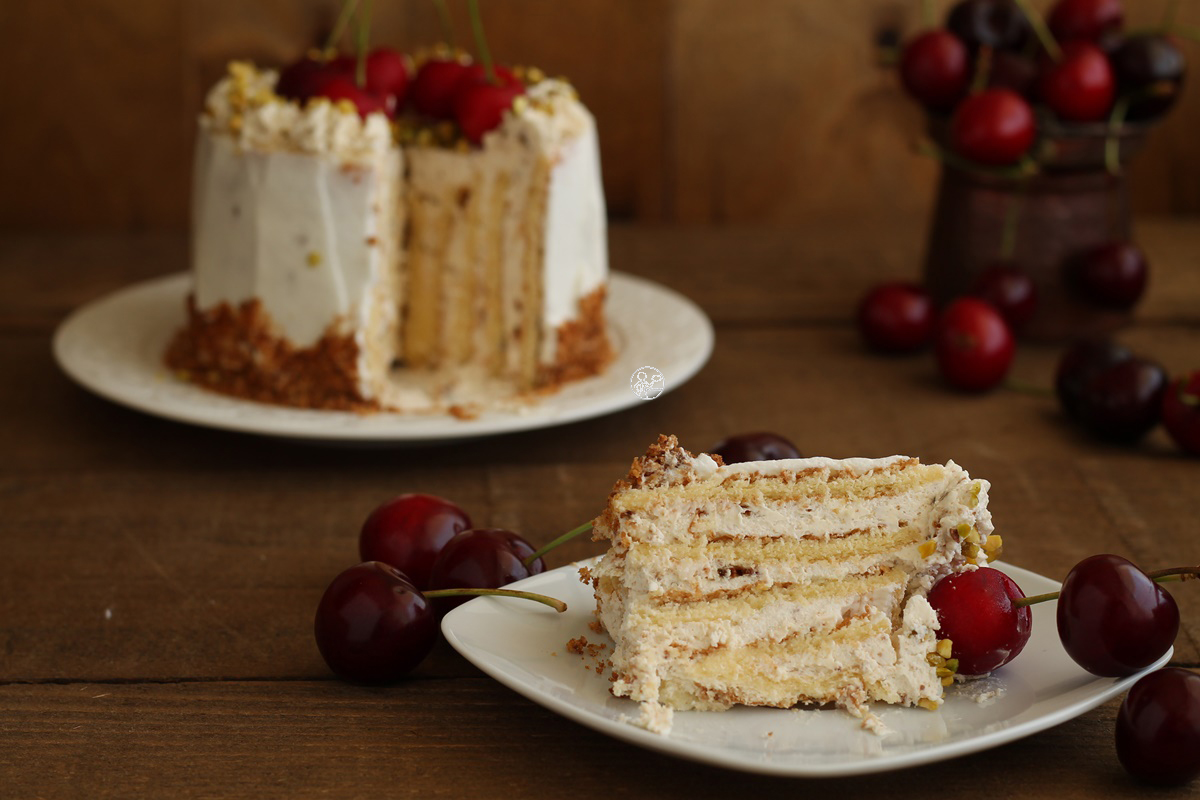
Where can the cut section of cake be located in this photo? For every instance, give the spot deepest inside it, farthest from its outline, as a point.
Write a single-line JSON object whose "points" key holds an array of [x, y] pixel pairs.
{"points": [[345, 261], [781, 583]]}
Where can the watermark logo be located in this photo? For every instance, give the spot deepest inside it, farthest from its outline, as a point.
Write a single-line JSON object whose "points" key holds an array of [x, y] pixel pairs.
{"points": [[647, 383]]}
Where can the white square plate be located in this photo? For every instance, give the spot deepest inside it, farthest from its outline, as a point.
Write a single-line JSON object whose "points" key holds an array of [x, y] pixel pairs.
{"points": [[523, 645]]}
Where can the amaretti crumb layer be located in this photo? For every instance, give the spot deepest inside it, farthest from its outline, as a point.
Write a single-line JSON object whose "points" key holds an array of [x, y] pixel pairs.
{"points": [[781, 583]]}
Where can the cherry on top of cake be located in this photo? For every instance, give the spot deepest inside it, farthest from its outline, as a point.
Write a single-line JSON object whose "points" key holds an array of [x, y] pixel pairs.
{"points": [[437, 97]]}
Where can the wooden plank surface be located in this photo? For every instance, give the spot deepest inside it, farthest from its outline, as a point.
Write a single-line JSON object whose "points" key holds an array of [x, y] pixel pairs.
{"points": [[158, 580]]}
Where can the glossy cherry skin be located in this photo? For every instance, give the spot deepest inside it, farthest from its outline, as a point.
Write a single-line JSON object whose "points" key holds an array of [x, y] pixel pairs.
{"points": [[1123, 402], [480, 108], [973, 344], [387, 73], [1113, 620], [305, 78], [1082, 362], [1084, 19], [1158, 728], [433, 88], [935, 69], [482, 558], [409, 532], [1181, 412], [1010, 290], [1150, 70], [341, 87], [998, 24], [994, 127], [372, 625], [977, 615], [896, 317], [1113, 275], [760, 446], [1079, 87]]}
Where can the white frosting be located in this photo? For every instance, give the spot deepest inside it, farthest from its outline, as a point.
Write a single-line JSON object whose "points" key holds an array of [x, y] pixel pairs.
{"points": [[297, 232]]}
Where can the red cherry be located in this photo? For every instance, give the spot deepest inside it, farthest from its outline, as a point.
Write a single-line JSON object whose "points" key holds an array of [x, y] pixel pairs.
{"points": [[998, 24], [305, 78], [1122, 402], [387, 73], [934, 68], [372, 625], [1010, 290], [896, 317], [482, 558], [341, 87], [476, 73], [480, 108], [760, 446], [994, 127], [1113, 619], [409, 532], [1158, 728], [1079, 366], [973, 345], [1113, 275], [977, 615], [1081, 85], [433, 88], [1181, 412], [1084, 19]]}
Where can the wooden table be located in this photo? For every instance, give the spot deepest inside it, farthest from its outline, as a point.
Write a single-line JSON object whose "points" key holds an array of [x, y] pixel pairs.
{"points": [[158, 581]]}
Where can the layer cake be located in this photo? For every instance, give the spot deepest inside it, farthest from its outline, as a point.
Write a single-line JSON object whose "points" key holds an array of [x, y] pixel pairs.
{"points": [[349, 262], [782, 583]]}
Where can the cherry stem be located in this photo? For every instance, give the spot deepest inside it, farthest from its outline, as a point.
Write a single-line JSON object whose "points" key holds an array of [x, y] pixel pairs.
{"points": [[1022, 169], [1189, 32], [1039, 28], [1028, 388], [339, 26], [485, 55], [983, 69], [928, 14], [556, 604], [1012, 217], [566, 537], [364, 32], [1112, 142], [1159, 576], [444, 19]]}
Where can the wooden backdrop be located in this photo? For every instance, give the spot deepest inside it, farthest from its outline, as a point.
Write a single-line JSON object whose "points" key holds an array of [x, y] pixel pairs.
{"points": [[710, 111]]}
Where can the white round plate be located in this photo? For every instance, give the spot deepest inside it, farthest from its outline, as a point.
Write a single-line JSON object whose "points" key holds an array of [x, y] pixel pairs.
{"points": [[523, 645], [114, 347]]}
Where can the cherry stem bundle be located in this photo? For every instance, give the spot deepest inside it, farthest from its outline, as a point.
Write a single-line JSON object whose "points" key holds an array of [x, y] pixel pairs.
{"points": [[447, 24], [1039, 28], [566, 537], [1159, 576], [339, 26], [485, 55], [363, 37], [556, 604]]}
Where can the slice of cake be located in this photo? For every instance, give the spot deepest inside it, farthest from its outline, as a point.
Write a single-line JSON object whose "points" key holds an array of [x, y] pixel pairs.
{"points": [[781, 583], [344, 261]]}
